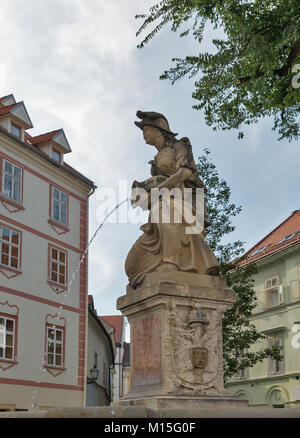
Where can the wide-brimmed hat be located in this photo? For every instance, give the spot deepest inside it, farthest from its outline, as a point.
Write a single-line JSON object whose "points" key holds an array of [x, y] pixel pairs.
{"points": [[151, 118]]}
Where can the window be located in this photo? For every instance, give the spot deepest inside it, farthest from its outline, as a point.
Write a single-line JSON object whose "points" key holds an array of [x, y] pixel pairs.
{"points": [[258, 251], [275, 366], [290, 236], [273, 292], [9, 248], [16, 130], [56, 155], [59, 206], [55, 346], [7, 338], [12, 181], [58, 266], [244, 373]]}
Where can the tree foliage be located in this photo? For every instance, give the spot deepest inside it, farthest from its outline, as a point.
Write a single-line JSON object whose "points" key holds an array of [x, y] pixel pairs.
{"points": [[250, 73], [239, 333]]}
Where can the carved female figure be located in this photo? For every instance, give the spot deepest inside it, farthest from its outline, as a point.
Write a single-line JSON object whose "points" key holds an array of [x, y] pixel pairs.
{"points": [[167, 246]]}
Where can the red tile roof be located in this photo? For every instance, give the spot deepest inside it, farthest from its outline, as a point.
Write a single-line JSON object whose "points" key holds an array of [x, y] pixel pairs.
{"points": [[115, 321], [31, 142], [42, 138], [5, 109], [282, 237], [4, 97]]}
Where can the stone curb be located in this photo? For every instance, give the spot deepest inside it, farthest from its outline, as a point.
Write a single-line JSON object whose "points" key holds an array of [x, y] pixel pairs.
{"points": [[142, 412]]}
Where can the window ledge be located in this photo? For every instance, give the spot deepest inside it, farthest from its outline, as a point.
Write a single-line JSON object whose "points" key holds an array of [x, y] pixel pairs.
{"points": [[14, 272], [14, 362], [52, 367], [5, 364], [276, 306], [54, 224], [54, 371], [17, 205], [58, 288]]}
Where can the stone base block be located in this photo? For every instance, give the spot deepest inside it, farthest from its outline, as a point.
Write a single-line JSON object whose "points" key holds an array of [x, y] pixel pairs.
{"points": [[184, 403], [176, 347], [140, 412]]}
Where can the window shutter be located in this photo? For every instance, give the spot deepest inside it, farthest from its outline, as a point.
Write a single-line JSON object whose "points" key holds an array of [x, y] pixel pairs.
{"points": [[271, 361], [280, 294]]}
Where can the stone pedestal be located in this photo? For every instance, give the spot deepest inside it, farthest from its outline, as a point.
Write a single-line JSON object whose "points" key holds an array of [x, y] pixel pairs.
{"points": [[176, 341]]}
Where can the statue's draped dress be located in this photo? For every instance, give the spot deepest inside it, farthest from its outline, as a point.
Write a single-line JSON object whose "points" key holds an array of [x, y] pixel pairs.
{"points": [[168, 243]]}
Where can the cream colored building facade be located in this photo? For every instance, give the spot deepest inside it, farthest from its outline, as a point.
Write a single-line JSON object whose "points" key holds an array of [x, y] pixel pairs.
{"points": [[273, 383], [43, 235]]}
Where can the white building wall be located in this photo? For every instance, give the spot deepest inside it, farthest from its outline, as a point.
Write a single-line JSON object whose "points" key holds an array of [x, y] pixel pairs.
{"points": [[31, 293]]}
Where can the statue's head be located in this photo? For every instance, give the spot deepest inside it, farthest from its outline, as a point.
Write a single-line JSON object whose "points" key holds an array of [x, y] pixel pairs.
{"points": [[153, 125]]}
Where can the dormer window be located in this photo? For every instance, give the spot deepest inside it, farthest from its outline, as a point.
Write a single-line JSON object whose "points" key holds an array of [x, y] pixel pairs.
{"points": [[53, 143], [15, 130], [56, 155]]}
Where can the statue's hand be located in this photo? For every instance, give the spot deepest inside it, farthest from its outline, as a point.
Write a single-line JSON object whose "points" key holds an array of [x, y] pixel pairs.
{"points": [[140, 198], [182, 174]]}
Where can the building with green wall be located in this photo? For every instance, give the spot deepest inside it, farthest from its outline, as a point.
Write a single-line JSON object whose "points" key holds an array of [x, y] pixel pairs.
{"points": [[274, 383]]}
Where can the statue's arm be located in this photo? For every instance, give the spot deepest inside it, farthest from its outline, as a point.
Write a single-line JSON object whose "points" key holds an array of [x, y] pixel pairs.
{"points": [[175, 180]]}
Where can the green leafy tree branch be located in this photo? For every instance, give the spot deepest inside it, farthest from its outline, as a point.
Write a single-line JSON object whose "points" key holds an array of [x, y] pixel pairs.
{"points": [[249, 75]]}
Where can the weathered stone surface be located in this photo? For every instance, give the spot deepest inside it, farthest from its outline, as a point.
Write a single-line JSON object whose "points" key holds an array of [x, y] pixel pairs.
{"points": [[185, 404], [175, 240], [176, 298], [176, 341], [216, 412], [179, 284], [146, 345], [142, 412], [23, 414], [102, 412]]}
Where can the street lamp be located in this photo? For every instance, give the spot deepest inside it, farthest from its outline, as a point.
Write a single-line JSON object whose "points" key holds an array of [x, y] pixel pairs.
{"points": [[94, 373]]}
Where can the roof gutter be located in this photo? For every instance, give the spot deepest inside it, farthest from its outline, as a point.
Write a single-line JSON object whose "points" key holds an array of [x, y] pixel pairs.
{"points": [[92, 191]]}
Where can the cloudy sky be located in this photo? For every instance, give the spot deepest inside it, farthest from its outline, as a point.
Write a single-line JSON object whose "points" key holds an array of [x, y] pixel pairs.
{"points": [[76, 66]]}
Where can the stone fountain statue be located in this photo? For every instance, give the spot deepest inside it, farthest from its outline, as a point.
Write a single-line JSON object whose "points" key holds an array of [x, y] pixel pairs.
{"points": [[175, 298], [166, 245]]}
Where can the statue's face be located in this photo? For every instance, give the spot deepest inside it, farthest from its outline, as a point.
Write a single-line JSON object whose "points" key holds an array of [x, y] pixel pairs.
{"points": [[151, 134]]}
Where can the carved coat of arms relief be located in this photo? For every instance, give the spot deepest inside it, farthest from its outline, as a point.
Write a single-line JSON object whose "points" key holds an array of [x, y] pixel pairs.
{"points": [[195, 349]]}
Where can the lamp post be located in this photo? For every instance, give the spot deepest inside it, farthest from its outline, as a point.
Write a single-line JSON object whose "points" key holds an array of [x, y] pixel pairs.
{"points": [[94, 373]]}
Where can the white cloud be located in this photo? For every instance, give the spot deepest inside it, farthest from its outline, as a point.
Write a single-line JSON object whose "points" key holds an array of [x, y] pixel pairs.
{"points": [[76, 66]]}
